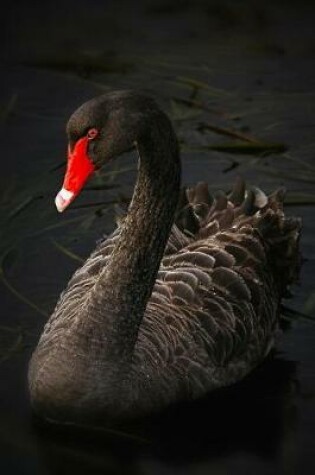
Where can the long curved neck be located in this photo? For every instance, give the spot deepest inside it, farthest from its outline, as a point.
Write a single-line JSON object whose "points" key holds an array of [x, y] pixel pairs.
{"points": [[125, 286]]}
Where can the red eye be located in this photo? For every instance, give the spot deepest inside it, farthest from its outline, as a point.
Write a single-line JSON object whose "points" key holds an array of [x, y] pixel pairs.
{"points": [[92, 133]]}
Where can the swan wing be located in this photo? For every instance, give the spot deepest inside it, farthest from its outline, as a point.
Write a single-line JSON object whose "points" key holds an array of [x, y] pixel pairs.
{"points": [[213, 312]]}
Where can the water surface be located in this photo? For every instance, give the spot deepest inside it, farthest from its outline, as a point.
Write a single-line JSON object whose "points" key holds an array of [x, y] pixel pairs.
{"points": [[235, 68]]}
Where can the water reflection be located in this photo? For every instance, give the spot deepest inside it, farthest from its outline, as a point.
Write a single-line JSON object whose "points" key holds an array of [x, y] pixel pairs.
{"points": [[255, 417]]}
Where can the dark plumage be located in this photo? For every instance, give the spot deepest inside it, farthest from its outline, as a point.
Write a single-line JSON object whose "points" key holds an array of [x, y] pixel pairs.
{"points": [[181, 299]]}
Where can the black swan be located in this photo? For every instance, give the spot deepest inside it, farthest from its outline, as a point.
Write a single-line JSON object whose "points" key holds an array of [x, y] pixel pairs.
{"points": [[181, 299]]}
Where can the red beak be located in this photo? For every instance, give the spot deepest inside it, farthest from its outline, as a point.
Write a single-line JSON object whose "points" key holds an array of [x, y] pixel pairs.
{"points": [[79, 169]]}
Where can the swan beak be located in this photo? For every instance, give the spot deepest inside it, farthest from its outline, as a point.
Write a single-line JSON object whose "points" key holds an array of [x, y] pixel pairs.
{"points": [[63, 199], [79, 169]]}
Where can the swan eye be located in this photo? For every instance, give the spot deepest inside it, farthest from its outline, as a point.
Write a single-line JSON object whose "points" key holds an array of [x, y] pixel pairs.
{"points": [[92, 133]]}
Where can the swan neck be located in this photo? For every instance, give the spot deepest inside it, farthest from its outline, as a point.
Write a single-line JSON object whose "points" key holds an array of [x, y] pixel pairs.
{"points": [[129, 277]]}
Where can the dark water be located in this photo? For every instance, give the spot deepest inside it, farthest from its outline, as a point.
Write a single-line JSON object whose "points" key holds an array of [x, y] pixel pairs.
{"points": [[242, 66]]}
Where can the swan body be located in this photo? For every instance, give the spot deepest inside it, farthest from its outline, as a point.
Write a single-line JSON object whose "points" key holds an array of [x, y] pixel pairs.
{"points": [[181, 299]]}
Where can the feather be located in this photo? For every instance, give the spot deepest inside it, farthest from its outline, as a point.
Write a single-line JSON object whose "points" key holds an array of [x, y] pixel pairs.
{"points": [[228, 280], [195, 258]]}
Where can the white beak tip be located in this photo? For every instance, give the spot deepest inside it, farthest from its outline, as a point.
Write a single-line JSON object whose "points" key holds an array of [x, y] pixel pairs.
{"points": [[63, 199]]}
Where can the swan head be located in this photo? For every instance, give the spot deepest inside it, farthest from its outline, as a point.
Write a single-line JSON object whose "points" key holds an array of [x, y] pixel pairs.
{"points": [[98, 131]]}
